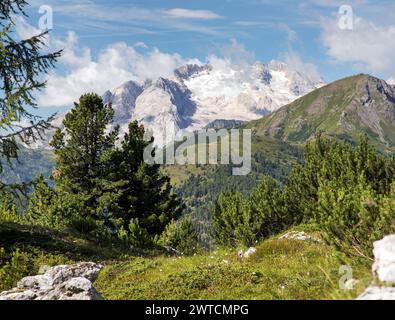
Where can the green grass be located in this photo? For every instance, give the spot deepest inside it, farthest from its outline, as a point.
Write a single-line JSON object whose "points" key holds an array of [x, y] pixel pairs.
{"points": [[71, 245], [24, 249], [280, 269]]}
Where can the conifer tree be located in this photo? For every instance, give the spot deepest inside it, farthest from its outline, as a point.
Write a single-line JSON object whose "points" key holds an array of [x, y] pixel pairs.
{"points": [[22, 64], [82, 153], [42, 201], [146, 194]]}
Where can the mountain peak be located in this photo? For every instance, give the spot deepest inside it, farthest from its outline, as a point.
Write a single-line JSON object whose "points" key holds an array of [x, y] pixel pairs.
{"points": [[189, 70], [199, 94], [345, 108]]}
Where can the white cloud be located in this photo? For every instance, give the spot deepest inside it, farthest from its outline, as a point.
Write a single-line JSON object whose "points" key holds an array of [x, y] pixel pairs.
{"points": [[119, 63], [368, 45], [133, 18], [391, 81], [192, 14], [116, 64], [140, 44], [237, 54], [23, 29], [294, 61]]}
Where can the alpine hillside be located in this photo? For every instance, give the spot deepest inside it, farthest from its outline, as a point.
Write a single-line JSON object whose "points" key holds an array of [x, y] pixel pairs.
{"points": [[344, 109]]}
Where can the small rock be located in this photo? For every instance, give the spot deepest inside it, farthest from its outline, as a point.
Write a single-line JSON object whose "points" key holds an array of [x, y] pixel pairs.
{"points": [[247, 253], [299, 235]]}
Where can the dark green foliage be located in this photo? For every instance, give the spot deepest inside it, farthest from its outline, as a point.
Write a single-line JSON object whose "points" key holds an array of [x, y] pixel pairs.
{"points": [[81, 150], [200, 191], [13, 266], [8, 208], [21, 67], [354, 216], [9, 7], [329, 160], [138, 236], [41, 204], [81, 173], [145, 193], [231, 218], [239, 220], [348, 191], [103, 188], [180, 236]]}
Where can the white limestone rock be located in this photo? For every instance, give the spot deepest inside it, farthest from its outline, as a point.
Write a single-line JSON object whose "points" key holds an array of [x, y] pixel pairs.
{"points": [[383, 270], [299, 235], [378, 293], [384, 259], [246, 254], [62, 282]]}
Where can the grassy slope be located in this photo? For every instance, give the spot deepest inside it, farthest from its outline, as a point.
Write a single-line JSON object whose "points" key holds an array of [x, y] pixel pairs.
{"points": [[24, 249], [71, 246], [280, 269], [322, 109]]}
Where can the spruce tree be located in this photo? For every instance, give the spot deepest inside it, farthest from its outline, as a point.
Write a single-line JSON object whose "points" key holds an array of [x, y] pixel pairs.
{"points": [[82, 153], [146, 194], [41, 208], [21, 67]]}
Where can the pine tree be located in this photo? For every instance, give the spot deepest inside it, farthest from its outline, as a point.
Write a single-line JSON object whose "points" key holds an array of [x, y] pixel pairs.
{"points": [[146, 193], [82, 153], [180, 236], [8, 211], [230, 213], [42, 201], [21, 67]]}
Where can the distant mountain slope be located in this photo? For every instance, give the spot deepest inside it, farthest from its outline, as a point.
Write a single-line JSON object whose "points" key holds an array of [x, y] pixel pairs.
{"points": [[224, 124], [344, 109], [29, 164]]}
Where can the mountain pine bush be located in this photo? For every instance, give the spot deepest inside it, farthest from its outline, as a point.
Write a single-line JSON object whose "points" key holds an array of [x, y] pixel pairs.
{"points": [[348, 191]]}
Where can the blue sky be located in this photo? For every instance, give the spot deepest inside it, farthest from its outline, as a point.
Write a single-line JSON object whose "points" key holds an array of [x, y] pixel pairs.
{"points": [[154, 33]]}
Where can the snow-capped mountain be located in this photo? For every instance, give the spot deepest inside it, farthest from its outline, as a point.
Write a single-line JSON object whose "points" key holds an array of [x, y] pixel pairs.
{"points": [[197, 95]]}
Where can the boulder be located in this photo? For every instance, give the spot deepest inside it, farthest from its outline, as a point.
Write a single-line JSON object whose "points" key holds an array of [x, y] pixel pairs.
{"points": [[64, 282], [384, 259], [383, 271]]}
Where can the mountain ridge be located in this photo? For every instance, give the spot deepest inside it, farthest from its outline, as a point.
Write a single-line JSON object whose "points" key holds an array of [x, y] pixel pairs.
{"points": [[345, 108], [197, 95]]}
